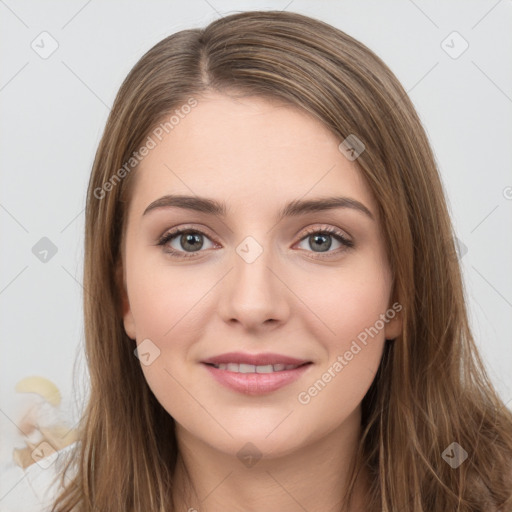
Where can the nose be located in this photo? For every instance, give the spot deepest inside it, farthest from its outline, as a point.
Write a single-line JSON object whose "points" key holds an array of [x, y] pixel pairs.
{"points": [[254, 294]]}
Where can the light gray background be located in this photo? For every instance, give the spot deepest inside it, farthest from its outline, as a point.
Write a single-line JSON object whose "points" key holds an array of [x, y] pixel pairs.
{"points": [[53, 112]]}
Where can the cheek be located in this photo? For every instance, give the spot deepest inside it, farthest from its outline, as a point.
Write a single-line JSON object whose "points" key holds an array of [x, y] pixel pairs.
{"points": [[163, 299], [353, 307], [346, 302], [167, 304]]}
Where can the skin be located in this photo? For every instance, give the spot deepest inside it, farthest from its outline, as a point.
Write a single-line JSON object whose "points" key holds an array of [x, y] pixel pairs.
{"points": [[257, 155]]}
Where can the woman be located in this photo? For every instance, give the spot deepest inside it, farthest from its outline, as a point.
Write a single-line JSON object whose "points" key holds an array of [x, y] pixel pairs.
{"points": [[236, 361]]}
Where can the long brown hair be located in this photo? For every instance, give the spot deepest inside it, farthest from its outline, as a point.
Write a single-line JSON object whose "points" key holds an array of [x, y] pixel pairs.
{"points": [[431, 389]]}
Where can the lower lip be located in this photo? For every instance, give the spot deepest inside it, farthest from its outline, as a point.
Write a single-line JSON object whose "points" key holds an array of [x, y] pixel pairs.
{"points": [[256, 383]]}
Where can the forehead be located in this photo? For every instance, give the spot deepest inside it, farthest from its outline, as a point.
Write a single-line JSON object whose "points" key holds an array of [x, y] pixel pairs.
{"points": [[248, 151]]}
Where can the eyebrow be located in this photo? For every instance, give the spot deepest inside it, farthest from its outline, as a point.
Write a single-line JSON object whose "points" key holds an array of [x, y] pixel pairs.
{"points": [[292, 209]]}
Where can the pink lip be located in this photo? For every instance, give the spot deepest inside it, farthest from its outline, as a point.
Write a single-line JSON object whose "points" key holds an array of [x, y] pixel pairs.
{"points": [[256, 383], [256, 359]]}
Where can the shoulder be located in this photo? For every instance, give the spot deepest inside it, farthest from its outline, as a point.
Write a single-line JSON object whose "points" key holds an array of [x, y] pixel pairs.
{"points": [[34, 488]]}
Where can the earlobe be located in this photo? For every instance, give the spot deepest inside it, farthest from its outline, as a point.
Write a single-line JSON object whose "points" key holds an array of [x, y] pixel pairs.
{"points": [[128, 320], [393, 327]]}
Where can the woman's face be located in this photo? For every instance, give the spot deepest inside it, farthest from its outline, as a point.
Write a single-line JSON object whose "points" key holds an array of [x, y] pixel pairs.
{"points": [[247, 279]]}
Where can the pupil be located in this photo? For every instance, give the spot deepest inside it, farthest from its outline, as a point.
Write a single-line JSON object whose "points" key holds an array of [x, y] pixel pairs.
{"points": [[325, 246], [190, 238]]}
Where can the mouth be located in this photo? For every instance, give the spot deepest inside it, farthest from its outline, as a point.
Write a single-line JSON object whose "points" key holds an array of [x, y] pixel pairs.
{"points": [[250, 379]]}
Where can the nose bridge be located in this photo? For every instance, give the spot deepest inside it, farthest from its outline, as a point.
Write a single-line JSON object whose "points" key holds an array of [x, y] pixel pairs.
{"points": [[253, 294]]}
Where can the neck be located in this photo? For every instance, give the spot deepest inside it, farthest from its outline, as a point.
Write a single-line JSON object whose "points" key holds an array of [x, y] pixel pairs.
{"points": [[312, 477]]}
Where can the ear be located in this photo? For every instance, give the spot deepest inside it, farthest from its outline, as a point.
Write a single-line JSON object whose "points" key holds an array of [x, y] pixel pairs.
{"points": [[393, 327], [128, 319]]}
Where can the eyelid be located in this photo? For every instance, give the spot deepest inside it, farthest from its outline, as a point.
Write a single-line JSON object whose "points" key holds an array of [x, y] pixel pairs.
{"points": [[331, 230]]}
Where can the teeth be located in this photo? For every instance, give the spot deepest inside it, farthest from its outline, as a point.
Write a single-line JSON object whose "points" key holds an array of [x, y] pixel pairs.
{"points": [[246, 368], [251, 368], [268, 368]]}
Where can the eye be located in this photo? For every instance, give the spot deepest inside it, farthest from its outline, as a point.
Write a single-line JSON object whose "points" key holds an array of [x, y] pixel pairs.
{"points": [[321, 239], [187, 241]]}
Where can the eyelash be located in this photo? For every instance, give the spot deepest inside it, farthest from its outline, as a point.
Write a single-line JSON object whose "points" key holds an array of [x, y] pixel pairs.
{"points": [[335, 233]]}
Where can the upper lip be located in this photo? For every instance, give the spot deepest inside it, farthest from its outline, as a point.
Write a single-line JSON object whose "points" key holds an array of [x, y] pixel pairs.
{"points": [[254, 359]]}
